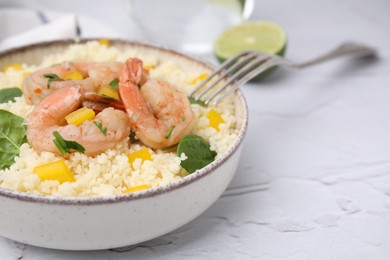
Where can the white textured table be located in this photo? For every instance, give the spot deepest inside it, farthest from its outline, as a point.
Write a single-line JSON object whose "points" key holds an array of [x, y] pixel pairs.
{"points": [[314, 178]]}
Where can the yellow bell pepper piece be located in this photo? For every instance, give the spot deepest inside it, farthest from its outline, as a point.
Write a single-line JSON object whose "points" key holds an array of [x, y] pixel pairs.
{"points": [[15, 66], [26, 73], [137, 188], [200, 78], [215, 119], [105, 42], [73, 75], [57, 171], [148, 67], [143, 154], [80, 115], [109, 92]]}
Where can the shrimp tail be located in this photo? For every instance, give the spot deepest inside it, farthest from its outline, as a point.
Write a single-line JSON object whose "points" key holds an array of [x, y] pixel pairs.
{"points": [[159, 113], [133, 72], [129, 93]]}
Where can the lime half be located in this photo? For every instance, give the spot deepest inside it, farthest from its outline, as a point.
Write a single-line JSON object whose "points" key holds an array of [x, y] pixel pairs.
{"points": [[259, 36]]}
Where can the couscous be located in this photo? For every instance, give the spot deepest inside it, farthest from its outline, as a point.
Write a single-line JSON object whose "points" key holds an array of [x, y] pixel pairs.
{"points": [[48, 162]]}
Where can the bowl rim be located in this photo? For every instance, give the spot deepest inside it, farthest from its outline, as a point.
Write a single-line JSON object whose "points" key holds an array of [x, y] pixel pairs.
{"points": [[97, 200]]}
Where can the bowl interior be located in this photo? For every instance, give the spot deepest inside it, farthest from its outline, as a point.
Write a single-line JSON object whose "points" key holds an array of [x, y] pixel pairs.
{"points": [[33, 54]]}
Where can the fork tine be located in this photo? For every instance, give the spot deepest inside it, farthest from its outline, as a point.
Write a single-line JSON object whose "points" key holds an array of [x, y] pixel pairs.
{"points": [[256, 71], [225, 64], [239, 74], [228, 71]]}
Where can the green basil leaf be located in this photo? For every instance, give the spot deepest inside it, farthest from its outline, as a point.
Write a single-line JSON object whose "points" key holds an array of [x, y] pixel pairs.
{"points": [[197, 101], [12, 136], [9, 94], [197, 151]]}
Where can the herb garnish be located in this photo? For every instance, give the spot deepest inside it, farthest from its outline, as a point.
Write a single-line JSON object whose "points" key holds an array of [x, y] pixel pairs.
{"points": [[197, 101], [114, 83], [198, 153], [169, 132], [101, 127], [65, 146], [51, 77], [12, 136], [9, 94], [133, 138]]}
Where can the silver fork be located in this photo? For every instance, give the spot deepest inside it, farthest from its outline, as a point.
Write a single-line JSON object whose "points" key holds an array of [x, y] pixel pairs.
{"points": [[246, 65]]}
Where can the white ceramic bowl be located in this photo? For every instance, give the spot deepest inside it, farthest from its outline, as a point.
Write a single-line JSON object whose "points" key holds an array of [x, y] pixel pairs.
{"points": [[87, 223]]}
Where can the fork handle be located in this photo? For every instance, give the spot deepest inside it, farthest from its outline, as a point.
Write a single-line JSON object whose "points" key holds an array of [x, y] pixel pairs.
{"points": [[347, 48]]}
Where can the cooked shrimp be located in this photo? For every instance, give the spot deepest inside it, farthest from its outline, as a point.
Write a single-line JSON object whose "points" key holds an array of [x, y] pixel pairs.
{"points": [[49, 116], [160, 114], [35, 86]]}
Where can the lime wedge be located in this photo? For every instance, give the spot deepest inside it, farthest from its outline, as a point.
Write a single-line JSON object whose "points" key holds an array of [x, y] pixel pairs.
{"points": [[259, 36]]}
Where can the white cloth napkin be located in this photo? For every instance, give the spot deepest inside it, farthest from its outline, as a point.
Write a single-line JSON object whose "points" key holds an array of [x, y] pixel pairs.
{"points": [[61, 28], [23, 26]]}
